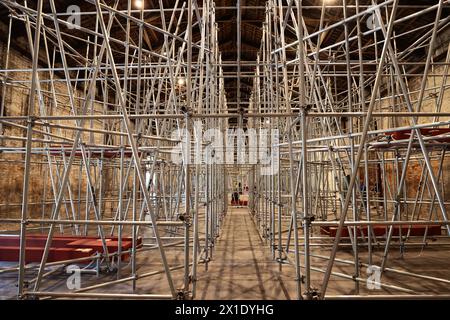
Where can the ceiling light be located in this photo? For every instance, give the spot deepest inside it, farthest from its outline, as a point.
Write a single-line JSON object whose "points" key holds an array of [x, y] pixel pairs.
{"points": [[181, 81], [139, 4]]}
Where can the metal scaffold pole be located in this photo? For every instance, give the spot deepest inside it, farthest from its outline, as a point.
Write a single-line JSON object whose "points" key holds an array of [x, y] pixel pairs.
{"points": [[130, 130]]}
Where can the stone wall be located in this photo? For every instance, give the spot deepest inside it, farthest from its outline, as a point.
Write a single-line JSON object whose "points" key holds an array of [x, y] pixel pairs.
{"points": [[12, 164], [414, 170]]}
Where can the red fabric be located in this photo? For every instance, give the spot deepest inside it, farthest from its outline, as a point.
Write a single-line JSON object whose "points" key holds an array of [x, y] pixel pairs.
{"points": [[380, 230], [405, 134], [62, 247]]}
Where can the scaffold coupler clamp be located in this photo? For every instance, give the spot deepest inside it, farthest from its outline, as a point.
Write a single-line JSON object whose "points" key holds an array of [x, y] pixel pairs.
{"points": [[185, 218], [312, 294], [28, 297], [301, 279], [32, 120], [308, 219], [138, 137], [306, 108], [182, 294]]}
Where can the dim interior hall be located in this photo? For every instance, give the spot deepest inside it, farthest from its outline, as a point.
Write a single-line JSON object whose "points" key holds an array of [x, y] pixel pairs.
{"points": [[227, 149]]}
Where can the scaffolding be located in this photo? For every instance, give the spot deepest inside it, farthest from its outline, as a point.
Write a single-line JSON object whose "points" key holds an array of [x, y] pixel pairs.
{"points": [[112, 174], [342, 180], [112, 139]]}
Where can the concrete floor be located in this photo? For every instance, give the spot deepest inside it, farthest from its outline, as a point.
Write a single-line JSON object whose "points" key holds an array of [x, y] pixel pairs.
{"points": [[242, 268]]}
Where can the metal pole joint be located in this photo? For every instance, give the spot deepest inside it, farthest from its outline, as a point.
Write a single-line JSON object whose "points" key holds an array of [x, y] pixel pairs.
{"points": [[182, 295], [308, 219], [32, 120], [185, 218], [305, 108], [312, 294]]}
